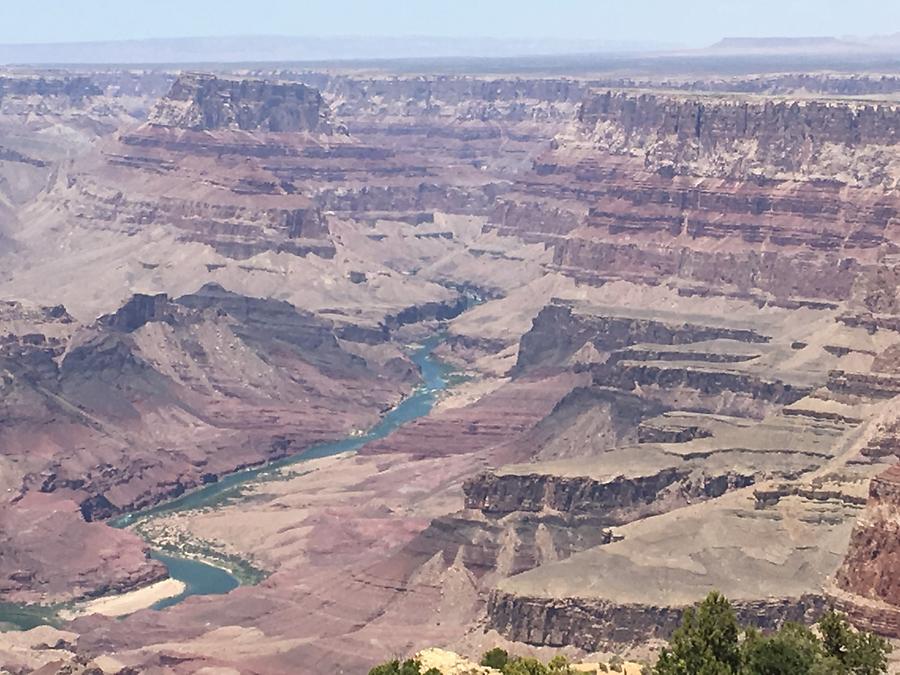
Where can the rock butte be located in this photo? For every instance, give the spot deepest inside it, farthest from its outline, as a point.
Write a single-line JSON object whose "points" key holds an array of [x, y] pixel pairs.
{"points": [[682, 374]]}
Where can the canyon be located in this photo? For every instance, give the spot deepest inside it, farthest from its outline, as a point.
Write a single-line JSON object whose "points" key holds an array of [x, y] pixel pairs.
{"points": [[665, 301]]}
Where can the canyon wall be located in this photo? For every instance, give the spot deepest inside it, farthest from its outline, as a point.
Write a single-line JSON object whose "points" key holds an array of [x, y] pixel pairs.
{"points": [[206, 103], [688, 320], [595, 625], [866, 585], [694, 136], [779, 200]]}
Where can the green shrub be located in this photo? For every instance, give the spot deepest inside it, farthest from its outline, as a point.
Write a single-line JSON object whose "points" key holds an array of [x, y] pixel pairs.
{"points": [[858, 653], [559, 665], [793, 650], [408, 667], [495, 658], [708, 642], [525, 665]]}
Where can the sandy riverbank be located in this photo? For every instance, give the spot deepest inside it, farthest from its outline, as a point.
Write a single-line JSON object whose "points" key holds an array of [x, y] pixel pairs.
{"points": [[127, 603]]}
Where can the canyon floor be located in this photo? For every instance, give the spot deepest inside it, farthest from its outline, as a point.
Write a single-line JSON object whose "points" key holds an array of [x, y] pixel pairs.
{"points": [[665, 298]]}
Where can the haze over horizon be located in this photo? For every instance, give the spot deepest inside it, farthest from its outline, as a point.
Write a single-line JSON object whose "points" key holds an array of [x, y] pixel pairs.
{"points": [[643, 22]]}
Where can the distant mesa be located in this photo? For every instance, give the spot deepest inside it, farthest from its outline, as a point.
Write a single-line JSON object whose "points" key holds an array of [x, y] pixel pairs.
{"points": [[246, 49], [822, 43], [206, 102]]}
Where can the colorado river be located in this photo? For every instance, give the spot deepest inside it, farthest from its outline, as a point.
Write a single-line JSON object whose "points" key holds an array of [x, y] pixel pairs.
{"points": [[201, 578]]}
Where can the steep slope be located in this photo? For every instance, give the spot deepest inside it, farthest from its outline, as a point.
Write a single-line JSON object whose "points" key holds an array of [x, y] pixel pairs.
{"points": [[165, 395]]}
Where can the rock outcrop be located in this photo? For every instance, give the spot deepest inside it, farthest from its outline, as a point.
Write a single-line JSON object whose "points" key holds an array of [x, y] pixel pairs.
{"points": [[595, 625], [208, 103], [40, 530], [138, 311], [584, 495], [693, 136], [560, 330], [866, 585]]}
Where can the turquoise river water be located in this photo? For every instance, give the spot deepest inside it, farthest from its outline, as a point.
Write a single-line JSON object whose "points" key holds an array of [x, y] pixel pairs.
{"points": [[201, 578]]}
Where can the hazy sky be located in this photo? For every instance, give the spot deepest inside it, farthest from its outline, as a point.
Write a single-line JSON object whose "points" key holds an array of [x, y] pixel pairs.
{"points": [[688, 22]]}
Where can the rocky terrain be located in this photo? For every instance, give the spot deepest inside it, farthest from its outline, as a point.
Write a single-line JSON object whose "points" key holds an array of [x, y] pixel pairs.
{"points": [[670, 301]]}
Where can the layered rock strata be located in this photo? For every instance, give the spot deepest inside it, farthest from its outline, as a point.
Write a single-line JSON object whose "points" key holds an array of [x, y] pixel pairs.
{"points": [[206, 103], [726, 282], [780, 200], [866, 584], [611, 595], [214, 361]]}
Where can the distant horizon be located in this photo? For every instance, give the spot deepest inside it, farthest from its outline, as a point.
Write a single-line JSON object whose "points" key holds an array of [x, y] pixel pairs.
{"points": [[355, 36], [448, 37], [692, 24], [285, 49]]}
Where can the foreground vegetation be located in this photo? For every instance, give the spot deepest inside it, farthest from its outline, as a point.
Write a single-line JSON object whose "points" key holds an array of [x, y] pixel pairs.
{"points": [[409, 667], [496, 658], [710, 641]]}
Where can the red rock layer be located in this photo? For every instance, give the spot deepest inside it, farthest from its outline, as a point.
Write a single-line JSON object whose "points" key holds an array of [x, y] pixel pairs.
{"points": [[41, 530], [777, 199], [142, 405], [868, 581]]}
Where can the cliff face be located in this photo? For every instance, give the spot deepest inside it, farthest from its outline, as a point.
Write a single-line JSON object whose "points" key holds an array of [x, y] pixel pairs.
{"points": [[613, 501], [214, 166], [845, 142], [73, 87], [595, 625], [207, 103], [866, 585], [782, 84], [425, 99], [777, 200]]}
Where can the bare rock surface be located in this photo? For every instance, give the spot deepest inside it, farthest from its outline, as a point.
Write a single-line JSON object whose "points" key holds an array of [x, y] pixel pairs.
{"points": [[679, 557], [205, 102], [679, 374], [40, 531]]}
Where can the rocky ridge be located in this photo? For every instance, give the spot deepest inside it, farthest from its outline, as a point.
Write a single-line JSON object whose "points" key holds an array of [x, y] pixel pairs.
{"points": [[206, 103], [83, 406], [810, 140]]}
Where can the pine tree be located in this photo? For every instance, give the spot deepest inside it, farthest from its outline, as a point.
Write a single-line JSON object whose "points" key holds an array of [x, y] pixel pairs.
{"points": [[706, 642]]}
